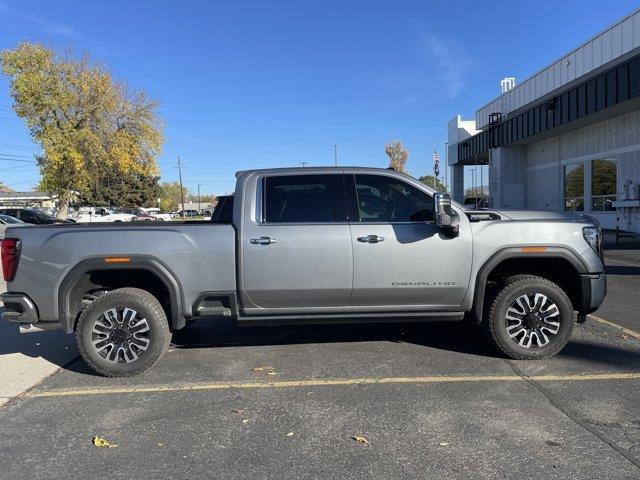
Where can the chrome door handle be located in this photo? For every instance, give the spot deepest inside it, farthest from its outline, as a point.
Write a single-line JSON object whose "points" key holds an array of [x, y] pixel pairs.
{"points": [[371, 239], [262, 241]]}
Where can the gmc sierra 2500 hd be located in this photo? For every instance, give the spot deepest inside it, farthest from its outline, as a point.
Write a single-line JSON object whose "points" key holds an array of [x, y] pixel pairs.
{"points": [[308, 245]]}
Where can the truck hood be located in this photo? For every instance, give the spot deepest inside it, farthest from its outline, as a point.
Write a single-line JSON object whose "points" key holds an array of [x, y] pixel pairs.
{"points": [[545, 215]]}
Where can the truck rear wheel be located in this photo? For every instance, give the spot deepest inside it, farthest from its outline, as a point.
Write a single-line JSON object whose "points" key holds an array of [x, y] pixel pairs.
{"points": [[123, 332], [530, 318]]}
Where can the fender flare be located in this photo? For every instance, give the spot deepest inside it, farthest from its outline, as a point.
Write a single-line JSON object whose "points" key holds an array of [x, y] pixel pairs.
{"points": [[138, 262], [516, 252]]}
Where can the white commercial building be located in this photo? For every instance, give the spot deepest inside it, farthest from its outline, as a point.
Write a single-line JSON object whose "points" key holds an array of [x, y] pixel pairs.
{"points": [[566, 138]]}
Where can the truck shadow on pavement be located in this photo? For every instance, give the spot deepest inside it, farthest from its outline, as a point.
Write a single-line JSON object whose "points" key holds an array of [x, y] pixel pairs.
{"points": [[59, 348], [451, 337]]}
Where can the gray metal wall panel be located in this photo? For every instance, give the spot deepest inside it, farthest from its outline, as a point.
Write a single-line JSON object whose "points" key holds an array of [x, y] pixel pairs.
{"points": [[617, 40]]}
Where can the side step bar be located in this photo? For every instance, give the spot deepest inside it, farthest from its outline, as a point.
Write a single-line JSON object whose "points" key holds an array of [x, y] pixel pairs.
{"points": [[351, 318], [213, 311]]}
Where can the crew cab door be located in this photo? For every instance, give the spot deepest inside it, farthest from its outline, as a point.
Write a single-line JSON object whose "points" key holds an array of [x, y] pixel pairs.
{"points": [[296, 246], [401, 257]]}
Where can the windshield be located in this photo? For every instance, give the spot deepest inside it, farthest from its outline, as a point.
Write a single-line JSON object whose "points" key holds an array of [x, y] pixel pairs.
{"points": [[9, 220], [41, 214]]}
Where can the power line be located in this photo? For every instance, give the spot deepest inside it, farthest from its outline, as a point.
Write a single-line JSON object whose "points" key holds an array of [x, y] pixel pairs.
{"points": [[17, 160], [14, 155]]}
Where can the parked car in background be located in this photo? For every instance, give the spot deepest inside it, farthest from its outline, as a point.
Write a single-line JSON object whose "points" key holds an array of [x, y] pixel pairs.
{"points": [[129, 211], [101, 214], [29, 215], [156, 212], [476, 202], [188, 213], [142, 216], [7, 220]]}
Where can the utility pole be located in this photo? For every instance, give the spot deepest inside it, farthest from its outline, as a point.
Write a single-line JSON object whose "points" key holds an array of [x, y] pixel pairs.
{"points": [[304, 164], [181, 188], [199, 197], [335, 155]]}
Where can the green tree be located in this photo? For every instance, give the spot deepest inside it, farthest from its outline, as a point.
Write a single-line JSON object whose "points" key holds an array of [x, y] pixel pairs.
{"points": [[170, 196], [428, 180], [574, 181], [5, 188], [83, 120], [398, 155], [204, 198], [475, 193], [123, 190]]}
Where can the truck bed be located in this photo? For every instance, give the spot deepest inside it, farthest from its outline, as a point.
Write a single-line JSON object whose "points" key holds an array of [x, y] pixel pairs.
{"points": [[200, 254]]}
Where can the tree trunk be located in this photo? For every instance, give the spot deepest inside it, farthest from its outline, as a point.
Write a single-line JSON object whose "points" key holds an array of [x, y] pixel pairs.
{"points": [[63, 207]]}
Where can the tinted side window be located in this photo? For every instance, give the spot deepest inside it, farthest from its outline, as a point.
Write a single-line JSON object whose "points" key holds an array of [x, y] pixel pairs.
{"points": [[386, 199], [27, 216], [302, 198], [223, 212]]}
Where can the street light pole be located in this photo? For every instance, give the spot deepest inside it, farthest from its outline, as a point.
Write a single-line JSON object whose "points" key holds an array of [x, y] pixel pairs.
{"points": [[199, 197], [335, 155]]}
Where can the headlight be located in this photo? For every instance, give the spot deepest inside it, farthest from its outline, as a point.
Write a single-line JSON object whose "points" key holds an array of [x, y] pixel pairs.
{"points": [[593, 237]]}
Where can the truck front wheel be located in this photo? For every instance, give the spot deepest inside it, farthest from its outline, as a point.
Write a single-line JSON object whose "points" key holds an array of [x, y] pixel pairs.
{"points": [[123, 332], [530, 318]]}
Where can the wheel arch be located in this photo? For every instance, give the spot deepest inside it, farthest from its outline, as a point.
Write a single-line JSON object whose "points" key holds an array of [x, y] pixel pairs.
{"points": [[534, 261], [69, 306]]}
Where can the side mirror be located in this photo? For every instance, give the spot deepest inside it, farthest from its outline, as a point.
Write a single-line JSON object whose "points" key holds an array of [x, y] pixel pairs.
{"points": [[446, 217]]}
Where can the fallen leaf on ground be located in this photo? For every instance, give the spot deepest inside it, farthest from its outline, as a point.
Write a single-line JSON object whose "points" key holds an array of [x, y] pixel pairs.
{"points": [[239, 411], [362, 440], [160, 444], [272, 373], [444, 444], [101, 442], [289, 434], [261, 369], [246, 420]]}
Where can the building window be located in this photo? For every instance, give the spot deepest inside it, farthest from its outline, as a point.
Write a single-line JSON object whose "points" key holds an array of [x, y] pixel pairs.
{"points": [[603, 185], [574, 187]]}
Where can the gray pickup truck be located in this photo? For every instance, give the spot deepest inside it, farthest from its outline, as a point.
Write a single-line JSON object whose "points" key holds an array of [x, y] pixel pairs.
{"points": [[312, 245]]}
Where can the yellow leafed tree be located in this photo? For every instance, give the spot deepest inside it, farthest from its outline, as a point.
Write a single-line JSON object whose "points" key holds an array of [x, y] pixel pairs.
{"points": [[85, 121], [398, 156]]}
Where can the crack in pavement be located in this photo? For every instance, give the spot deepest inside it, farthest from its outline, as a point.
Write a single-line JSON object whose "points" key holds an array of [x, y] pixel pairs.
{"points": [[572, 414]]}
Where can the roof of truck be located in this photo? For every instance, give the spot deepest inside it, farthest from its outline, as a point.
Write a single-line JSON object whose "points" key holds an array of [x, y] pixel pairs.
{"points": [[311, 169]]}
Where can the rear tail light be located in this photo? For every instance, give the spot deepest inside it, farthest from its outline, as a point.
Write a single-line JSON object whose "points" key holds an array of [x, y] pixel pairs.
{"points": [[10, 253]]}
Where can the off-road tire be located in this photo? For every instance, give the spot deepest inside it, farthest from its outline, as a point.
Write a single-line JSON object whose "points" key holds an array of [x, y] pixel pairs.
{"points": [[147, 306], [511, 289]]}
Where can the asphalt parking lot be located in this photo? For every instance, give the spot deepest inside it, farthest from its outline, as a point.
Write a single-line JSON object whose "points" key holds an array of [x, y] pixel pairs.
{"points": [[287, 402]]}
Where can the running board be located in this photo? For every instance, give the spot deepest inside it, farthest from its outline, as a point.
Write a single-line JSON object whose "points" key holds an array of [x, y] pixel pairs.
{"points": [[205, 311], [324, 318]]}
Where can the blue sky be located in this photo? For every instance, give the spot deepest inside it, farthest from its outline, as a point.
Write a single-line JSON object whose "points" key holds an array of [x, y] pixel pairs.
{"points": [[248, 84]]}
